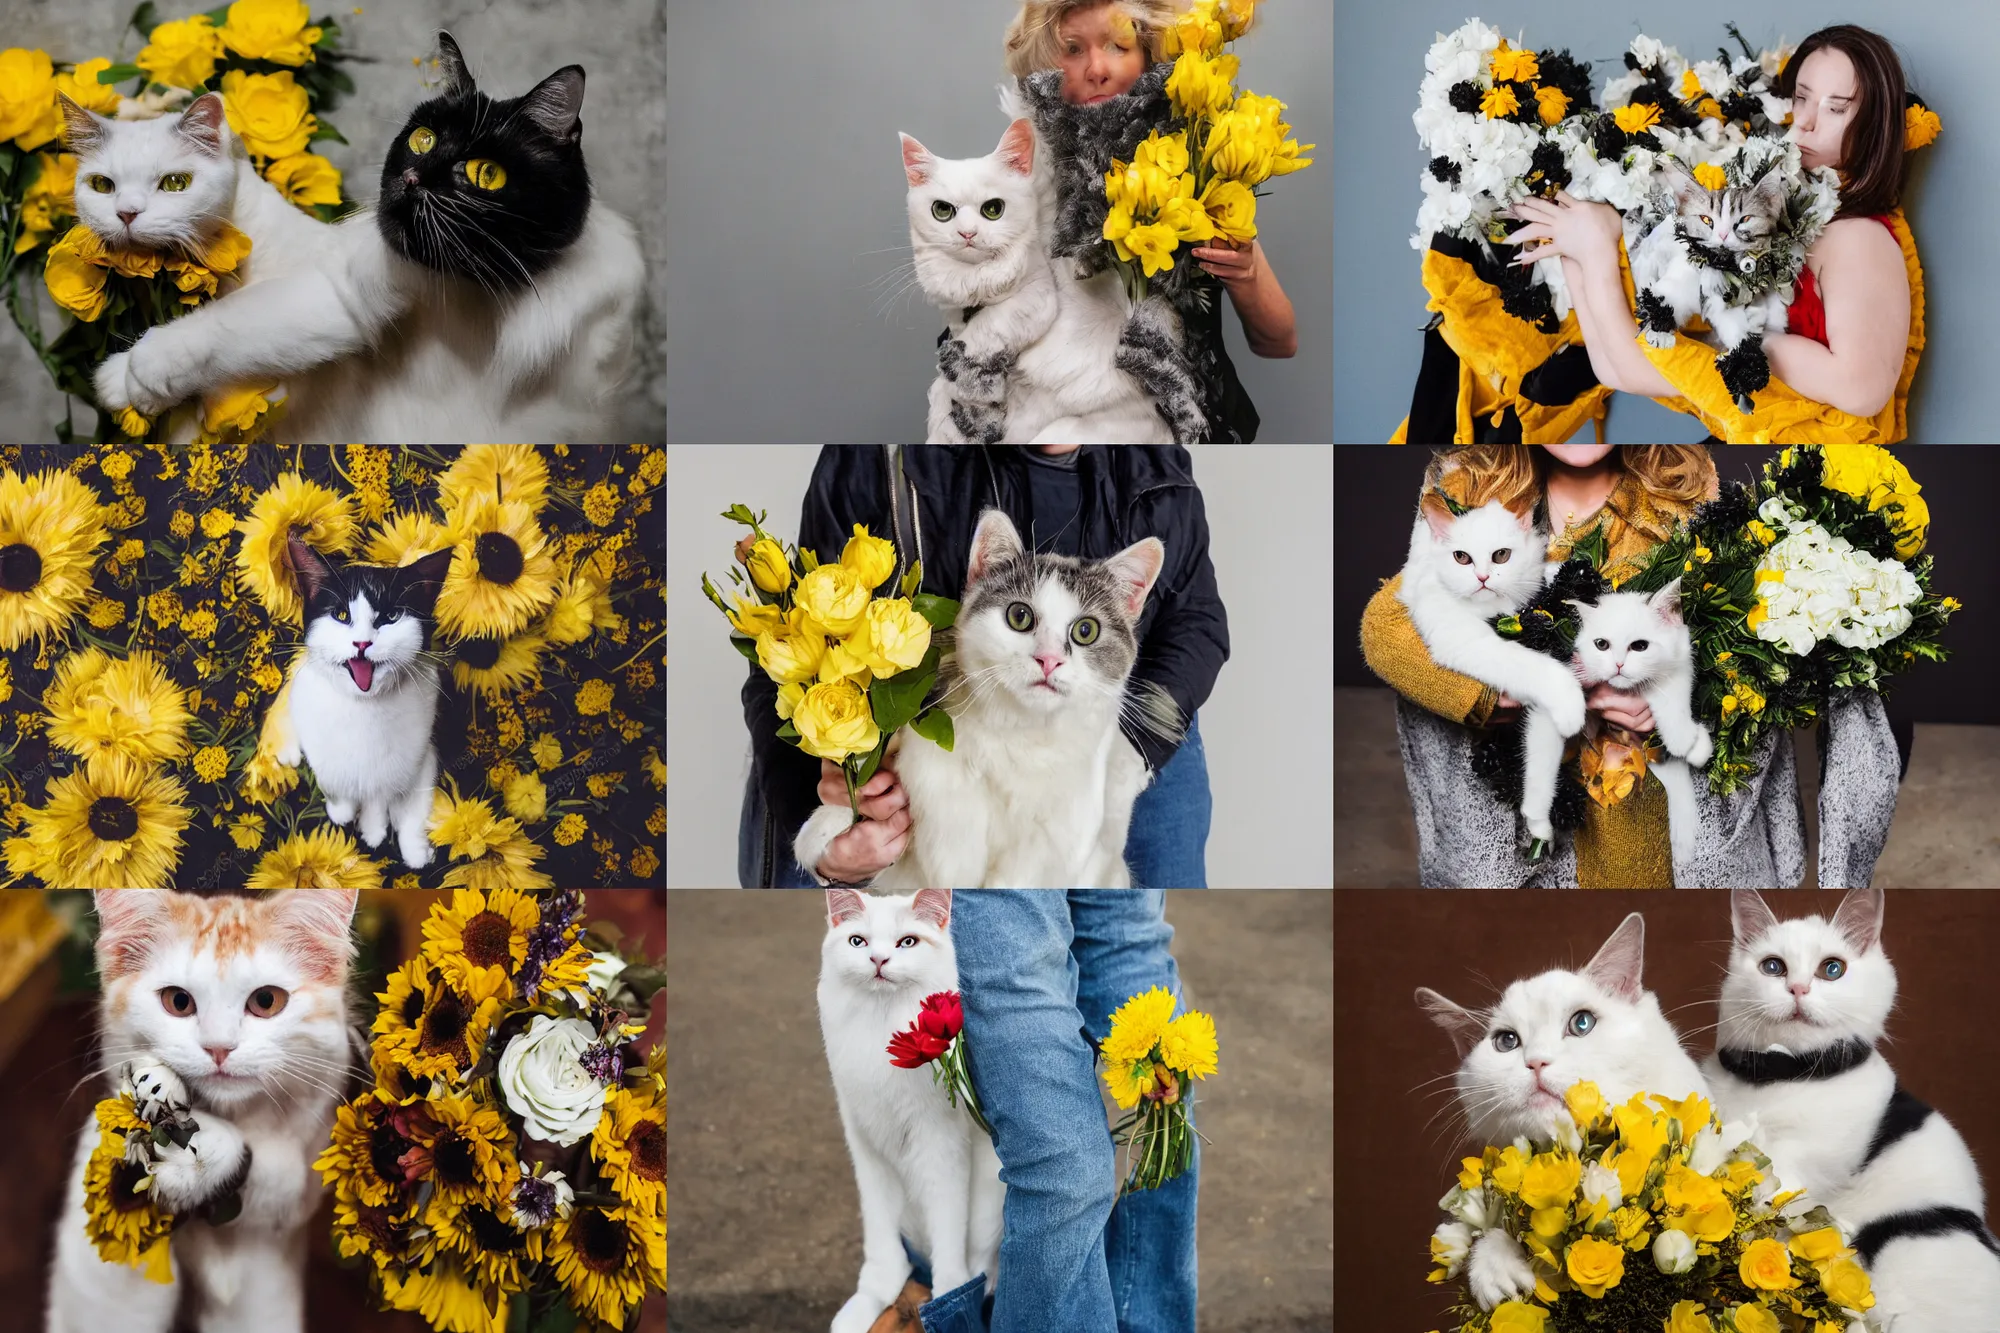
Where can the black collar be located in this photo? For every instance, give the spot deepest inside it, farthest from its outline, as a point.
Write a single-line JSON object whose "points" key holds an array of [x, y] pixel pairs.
{"points": [[1778, 1067]]}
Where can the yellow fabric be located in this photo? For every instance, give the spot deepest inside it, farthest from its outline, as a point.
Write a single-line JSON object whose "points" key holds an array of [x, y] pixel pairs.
{"points": [[1782, 415]]}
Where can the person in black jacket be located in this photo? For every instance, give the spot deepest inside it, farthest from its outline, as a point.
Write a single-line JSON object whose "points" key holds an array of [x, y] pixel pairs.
{"points": [[1082, 500]]}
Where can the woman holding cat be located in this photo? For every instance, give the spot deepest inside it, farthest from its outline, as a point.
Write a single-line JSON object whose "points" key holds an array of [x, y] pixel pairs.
{"points": [[1856, 322]]}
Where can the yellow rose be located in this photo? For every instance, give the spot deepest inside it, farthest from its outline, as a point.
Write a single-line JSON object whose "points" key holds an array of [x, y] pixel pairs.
{"points": [[1815, 1246], [29, 113], [833, 721], [182, 54], [1755, 1319], [235, 409], [1585, 1103], [269, 112], [1551, 1179], [769, 569], [73, 280], [791, 654], [873, 558], [81, 87], [788, 699], [1687, 1317], [1766, 1266], [1507, 1169], [1519, 1317], [898, 637], [1231, 209], [1847, 1285], [844, 658], [1152, 245], [273, 30], [833, 597], [753, 618], [305, 179], [1201, 86], [1595, 1266], [1697, 1205], [51, 195], [1551, 105]]}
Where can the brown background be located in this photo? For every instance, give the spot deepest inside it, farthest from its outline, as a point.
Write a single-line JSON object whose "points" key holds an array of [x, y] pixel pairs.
{"points": [[1396, 1140]]}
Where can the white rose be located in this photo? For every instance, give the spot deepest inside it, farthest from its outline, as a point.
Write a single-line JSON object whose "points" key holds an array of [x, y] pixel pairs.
{"points": [[1648, 50], [1673, 1252], [1479, 1208], [1449, 1244], [546, 1085], [602, 974], [1707, 1152], [1600, 1185]]}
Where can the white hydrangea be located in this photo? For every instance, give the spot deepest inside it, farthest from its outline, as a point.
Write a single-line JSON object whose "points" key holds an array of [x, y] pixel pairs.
{"points": [[1826, 589]]}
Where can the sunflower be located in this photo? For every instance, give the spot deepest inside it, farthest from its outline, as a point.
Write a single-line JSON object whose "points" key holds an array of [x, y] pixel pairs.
{"points": [[496, 471], [465, 1150], [399, 1012], [480, 933], [488, 1245], [362, 1163], [99, 705], [51, 525], [583, 602], [404, 539], [503, 575], [447, 1298], [497, 667], [453, 1029], [112, 824], [387, 1233], [122, 1221], [606, 1258], [509, 863], [630, 1144], [327, 518], [326, 858]]}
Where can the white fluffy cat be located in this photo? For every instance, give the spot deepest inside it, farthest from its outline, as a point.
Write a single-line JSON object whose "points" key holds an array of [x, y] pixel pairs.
{"points": [[236, 1007], [1737, 221], [1038, 787], [1547, 1033], [923, 1168], [1804, 1003], [1636, 641]]}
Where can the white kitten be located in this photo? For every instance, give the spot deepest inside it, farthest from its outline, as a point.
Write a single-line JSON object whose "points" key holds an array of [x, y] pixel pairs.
{"points": [[1546, 1034], [1803, 1005], [923, 1168]]}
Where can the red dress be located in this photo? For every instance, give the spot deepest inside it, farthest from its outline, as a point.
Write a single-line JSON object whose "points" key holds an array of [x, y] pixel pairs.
{"points": [[1807, 316]]}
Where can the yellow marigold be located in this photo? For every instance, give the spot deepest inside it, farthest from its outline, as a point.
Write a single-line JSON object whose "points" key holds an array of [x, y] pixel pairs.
{"points": [[570, 829], [116, 465], [98, 705], [267, 677], [1551, 105], [1138, 1024], [593, 697], [644, 863], [1921, 127], [200, 624], [1498, 102], [129, 551], [211, 762], [1636, 117], [1514, 63], [600, 504], [1709, 176]]}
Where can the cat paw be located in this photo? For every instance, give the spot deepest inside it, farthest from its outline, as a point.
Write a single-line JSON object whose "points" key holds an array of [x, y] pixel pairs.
{"points": [[858, 1315], [119, 388], [290, 755], [1498, 1270], [154, 1086], [338, 811], [374, 828], [1702, 750], [213, 1163], [415, 851], [1566, 711], [1538, 826], [975, 379]]}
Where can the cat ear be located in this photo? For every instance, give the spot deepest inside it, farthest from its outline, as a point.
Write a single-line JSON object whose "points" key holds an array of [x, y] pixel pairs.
{"points": [[934, 906], [996, 540], [1137, 566], [1439, 518], [310, 565], [556, 104], [83, 132], [201, 124], [314, 926], [1749, 915], [424, 578], [1666, 603], [1859, 919], [451, 63], [1017, 148], [1617, 966], [843, 905], [1464, 1027], [128, 922], [1769, 191], [1681, 182], [917, 161]]}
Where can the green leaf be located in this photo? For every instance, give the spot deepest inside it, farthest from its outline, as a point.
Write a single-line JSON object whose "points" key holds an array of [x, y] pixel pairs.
{"points": [[737, 513], [942, 612], [808, 560], [872, 762], [934, 725], [913, 579], [219, 15], [644, 979], [119, 73], [748, 647], [143, 18], [899, 698], [326, 131], [556, 1319], [787, 732]]}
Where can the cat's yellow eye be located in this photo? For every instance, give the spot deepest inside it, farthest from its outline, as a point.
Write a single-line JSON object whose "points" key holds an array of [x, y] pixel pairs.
{"points": [[267, 1001], [341, 616], [1084, 631], [487, 175], [421, 140], [101, 184], [176, 181], [1705, 221]]}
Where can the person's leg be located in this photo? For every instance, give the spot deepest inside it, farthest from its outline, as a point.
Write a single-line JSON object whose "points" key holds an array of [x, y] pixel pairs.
{"points": [[1035, 1077], [1149, 1246], [1166, 845]]}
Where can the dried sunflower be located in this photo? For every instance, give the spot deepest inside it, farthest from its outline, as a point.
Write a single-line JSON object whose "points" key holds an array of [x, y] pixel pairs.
{"points": [[110, 825], [326, 858]]}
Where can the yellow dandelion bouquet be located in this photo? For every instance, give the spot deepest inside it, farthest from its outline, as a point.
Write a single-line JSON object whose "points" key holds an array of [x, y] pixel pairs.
{"points": [[851, 666], [123, 1214], [276, 72], [1148, 1059], [507, 1171], [1649, 1215]]}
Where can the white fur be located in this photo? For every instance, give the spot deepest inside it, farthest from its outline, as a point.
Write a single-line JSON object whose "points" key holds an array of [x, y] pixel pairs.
{"points": [[279, 1104], [1817, 1131], [1662, 264], [1631, 1048], [922, 1167]]}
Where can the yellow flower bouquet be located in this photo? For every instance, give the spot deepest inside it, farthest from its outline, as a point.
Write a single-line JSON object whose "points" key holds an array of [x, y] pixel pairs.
{"points": [[1649, 1215], [851, 666], [1149, 1058], [122, 1215]]}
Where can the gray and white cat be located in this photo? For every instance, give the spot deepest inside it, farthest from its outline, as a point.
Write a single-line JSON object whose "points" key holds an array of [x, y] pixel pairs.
{"points": [[923, 1168], [234, 1006], [1038, 787], [1544, 1035], [1803, 1005], [1636, 641], [1737, 221]]}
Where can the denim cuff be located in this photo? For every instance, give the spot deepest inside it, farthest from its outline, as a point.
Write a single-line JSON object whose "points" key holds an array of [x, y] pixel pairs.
{"points": [[959, 1310]]}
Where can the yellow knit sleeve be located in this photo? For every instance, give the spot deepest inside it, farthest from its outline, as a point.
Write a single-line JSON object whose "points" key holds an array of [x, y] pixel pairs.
{"points": [[1395, 652]]}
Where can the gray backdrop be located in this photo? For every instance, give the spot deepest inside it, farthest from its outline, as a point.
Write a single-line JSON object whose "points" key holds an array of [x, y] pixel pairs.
{"points": [[785, 198], [1267, 728], [1950, 199], [510, 44]]}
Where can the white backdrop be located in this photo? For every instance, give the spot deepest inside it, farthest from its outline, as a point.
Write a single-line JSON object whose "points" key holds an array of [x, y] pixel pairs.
{"points": [[1268, 726]]}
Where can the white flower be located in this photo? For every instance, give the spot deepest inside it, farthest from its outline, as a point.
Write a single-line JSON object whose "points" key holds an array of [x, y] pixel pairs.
{"points": [[1673, 1252], [1479, 1208], [602, 974], [1714, 77], [545, 1084], [1449, 1244], [1600, 1185], [1648, 51]]}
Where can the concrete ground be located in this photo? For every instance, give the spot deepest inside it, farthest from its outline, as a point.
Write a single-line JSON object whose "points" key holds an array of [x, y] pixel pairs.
{"points": [[763, 1228], [1944, 835]]}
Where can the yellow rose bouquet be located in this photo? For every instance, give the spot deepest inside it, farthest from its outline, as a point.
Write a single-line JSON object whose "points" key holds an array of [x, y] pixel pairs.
{"points": [[277, 71], [851, 666], [1650, 1215], [1199, 183], [1149, 1059]]}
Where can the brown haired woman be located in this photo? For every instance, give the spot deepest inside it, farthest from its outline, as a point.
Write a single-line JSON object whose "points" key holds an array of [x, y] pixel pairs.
{"points": [[1849, 344], [1468, 839]]}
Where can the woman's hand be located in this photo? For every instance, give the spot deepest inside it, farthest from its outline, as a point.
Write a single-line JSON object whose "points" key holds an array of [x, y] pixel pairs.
{"points": [[1623, 708], [1568, 227], [1236, 267], [1505, 709], [1269, 324], [873, 845]]}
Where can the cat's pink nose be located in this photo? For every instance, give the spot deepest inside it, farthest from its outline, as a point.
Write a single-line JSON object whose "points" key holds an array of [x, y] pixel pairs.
{"points": [[1801, 987], [410, 176], [360, 645], [1049, 664], [968, 235], [1537, 1064], [219, 1053], [126, 215]]}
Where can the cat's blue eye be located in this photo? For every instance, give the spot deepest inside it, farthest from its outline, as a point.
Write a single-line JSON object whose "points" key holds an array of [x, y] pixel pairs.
{"points": [[1506, 1040], [908, 942], [1832, 969], [857, 941], [1772, 967], [1085, 630], [1020, 617], [943, 211], [1581, 1023], [992, 209]]}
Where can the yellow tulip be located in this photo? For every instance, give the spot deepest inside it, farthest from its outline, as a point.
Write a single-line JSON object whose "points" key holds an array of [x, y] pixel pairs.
{"points": [[1586, 1104], [182, 54], [29, 113], [269, 112], [833, 721], [275, 30], [769, 569], [873, 558]]}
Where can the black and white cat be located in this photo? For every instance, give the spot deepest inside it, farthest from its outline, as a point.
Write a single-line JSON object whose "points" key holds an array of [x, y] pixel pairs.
{"points": [[1544, 1035], [365, 697], [1804, 1003], [1038, 787], [487, 297]]}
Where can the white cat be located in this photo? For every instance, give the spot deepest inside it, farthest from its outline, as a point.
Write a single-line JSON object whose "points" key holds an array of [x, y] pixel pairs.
{"points": [[923, 1168], [1737, 222], [236, 1007], [1804, 1003], [1636, 641], [1547, 1033], [1038, 787]]}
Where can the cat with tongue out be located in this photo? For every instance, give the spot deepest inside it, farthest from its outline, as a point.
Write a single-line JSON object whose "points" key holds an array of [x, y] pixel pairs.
{"points": [[365, 696]]}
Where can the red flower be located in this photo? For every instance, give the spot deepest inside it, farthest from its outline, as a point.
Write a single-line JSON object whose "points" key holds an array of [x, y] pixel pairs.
{"points": [[907, 1050], [942, 1015]]}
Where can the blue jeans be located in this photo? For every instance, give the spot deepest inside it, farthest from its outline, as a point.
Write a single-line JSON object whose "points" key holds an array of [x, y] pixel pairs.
{"points": [[1035, 966]]}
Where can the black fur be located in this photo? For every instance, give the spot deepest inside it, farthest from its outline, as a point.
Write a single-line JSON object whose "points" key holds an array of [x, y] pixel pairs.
{"points": [[1871, 1239], [432, 213], [1151, 349], [328, 584], [1903, 1115], [1082, 141]]}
